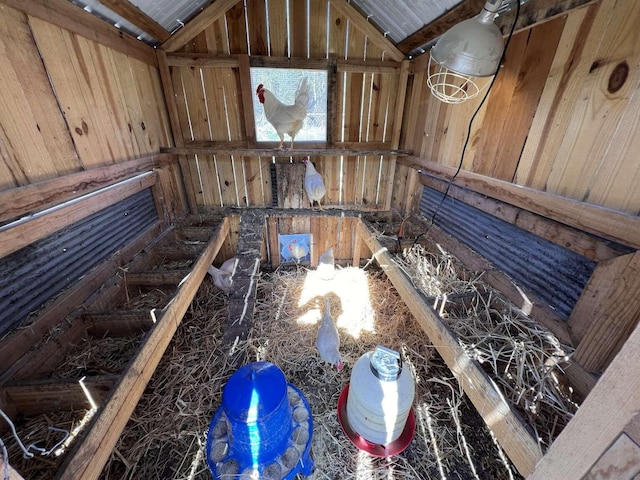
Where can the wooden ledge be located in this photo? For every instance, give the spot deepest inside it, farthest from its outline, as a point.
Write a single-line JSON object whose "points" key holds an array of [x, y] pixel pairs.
{"points": [[275, 152]]}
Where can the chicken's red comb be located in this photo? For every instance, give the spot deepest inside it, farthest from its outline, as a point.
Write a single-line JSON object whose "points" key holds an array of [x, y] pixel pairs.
{"points": [[259, 88]]}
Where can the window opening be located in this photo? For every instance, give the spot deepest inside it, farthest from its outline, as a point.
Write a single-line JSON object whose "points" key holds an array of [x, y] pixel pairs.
{"points": [[283, 83]]}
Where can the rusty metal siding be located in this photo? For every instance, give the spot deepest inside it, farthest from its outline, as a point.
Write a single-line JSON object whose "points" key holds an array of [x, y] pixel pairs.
{"points": [[555, 274], [36, 273]]}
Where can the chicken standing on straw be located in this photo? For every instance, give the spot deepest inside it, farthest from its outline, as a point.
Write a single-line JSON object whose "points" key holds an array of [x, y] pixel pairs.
{"points": [[222, 276], [328, 339], [313, 183], [285, 118]]}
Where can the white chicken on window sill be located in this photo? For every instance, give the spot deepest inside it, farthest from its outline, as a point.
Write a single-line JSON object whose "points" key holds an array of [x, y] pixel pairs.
{"points": [[286, 119]]}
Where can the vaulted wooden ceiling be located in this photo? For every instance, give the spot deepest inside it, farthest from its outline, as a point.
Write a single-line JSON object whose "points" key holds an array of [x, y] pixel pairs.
{"points": [[157, 21]]}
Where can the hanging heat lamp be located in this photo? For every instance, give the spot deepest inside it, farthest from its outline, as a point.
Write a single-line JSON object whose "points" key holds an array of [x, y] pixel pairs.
{"points": [[468, 51]]}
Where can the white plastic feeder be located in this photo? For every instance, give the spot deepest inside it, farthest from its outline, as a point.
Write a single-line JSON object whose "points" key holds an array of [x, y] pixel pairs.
{"points": [[379, 418]]}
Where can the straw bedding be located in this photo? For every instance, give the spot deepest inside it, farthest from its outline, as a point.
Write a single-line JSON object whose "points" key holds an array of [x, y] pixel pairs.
{"points": [[165, 436]]}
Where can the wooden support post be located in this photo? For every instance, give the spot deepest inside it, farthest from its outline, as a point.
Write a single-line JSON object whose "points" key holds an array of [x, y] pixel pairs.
{"points": [[89, 457], [511, 433], [246, 94]]}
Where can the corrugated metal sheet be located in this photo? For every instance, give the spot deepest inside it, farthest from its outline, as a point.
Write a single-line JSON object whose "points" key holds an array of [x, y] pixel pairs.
{"points": [[555, 274], [401, 18], [171, 14], [33, 275]]}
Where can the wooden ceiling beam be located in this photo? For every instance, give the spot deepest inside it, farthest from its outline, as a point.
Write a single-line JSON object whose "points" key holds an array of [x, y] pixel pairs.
{"points": [[531, 13], [197, 24], [457, 14], [133, 14], [368, 29]]}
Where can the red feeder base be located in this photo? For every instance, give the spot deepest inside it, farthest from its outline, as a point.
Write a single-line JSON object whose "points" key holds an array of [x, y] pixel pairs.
{"points": [[374, 449]]}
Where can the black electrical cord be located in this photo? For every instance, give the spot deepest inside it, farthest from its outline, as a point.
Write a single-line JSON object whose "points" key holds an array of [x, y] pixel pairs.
{"points": [[475, 113]]}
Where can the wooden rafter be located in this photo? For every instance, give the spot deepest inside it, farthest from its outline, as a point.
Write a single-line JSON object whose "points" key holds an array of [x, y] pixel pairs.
{"points": [[462, 11], [368, 29], [205, 18], [133, 14]]}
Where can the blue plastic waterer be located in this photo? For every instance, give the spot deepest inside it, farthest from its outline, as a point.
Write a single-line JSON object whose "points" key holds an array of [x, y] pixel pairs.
{"points": [[263, 428]]}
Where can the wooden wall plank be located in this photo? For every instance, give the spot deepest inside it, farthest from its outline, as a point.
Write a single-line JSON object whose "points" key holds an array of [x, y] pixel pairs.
{"points": [[298, 39], [607, 311], [337, 33], [75, 19], [318, 29], [580, 37], [278, 28], [600, 106], [257, 18], [366, 28], [35, 138], [236, 29], [216, 36], [38, 196]]}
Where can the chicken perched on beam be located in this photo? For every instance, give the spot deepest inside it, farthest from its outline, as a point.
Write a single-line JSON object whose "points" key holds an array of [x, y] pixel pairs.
{"points": [[313, 183], [287, 119]]}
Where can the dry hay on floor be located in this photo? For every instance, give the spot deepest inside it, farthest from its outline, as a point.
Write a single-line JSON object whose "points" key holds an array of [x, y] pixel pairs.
{"points": [[37, 430], [99, 356], [166, 434], [519, 354]]}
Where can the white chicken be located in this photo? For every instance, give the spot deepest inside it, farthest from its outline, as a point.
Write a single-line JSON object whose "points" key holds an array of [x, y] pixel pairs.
{"points": [[313, 183], [326, 267], [222, 277], [287, 119], [298, 250], [328, 338]]}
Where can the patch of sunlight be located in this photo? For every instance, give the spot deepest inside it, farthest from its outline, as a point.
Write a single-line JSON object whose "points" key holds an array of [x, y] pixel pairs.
{"points": [[363, 466], [310, 317], [355, 313], [80, 426]]}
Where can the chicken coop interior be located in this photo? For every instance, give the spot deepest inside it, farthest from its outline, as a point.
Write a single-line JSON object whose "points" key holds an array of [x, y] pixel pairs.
{"points": [[192, 189]]}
